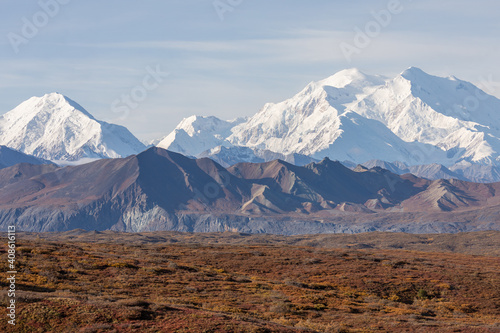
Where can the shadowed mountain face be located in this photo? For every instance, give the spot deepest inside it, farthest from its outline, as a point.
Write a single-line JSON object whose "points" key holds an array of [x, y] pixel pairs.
{"points": [[23, 171], [175, 182], [10, 157], [162, 190], [327, 183]]}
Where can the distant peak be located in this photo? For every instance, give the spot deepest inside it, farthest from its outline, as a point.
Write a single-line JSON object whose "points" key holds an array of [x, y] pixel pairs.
{"points": [[351, 77], [51, 102], [199, 121], [350, 72], [328, 162], [413, 69], [344, 78], [56, 97], [194, 118], [413, 72]]}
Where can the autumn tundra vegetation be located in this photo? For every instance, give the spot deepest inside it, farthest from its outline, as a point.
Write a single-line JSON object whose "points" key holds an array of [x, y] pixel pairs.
{"points": [[180, 282]]}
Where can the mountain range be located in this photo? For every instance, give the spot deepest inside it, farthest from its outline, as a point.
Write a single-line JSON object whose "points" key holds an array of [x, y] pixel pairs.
{"points": [[431, 126], [350, 153], [162, 190], [415, 119]]}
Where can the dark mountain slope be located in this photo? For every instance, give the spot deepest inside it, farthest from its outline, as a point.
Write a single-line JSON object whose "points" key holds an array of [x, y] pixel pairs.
{"points": [[10, 157], [162, 190]]}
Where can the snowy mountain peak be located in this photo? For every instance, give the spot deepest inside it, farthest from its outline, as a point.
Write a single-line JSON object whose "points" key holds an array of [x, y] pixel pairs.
{"points": [[54, 127], [53, 102], [64, 99], [196, 134], [344, 78], [413, 72], [418, 77], [55, 97], [416, 118], [195, 124], [350, 77]]}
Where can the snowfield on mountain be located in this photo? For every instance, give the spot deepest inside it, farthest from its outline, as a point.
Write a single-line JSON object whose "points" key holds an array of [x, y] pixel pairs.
{"points": [[54, 127], [414, 118]]}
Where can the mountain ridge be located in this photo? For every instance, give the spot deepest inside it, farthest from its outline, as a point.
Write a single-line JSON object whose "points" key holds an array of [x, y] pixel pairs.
{"points": [[162, 190], [430, 124], [10, 157]]}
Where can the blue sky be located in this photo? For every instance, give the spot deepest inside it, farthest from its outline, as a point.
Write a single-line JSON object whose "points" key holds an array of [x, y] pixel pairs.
{"points": [[95, 52]]}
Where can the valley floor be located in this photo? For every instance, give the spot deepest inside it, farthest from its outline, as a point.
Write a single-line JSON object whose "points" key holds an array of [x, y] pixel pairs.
{"points": [[174, 282]]}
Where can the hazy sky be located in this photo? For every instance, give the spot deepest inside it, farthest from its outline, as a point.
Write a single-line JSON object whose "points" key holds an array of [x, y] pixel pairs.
{"points": [[228, 57]]}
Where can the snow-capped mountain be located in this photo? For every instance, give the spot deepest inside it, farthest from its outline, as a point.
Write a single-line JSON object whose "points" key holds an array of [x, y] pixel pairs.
{"points": [[54, 127], [310, 121], [446, 112], [196, 134], [414, 118]]}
